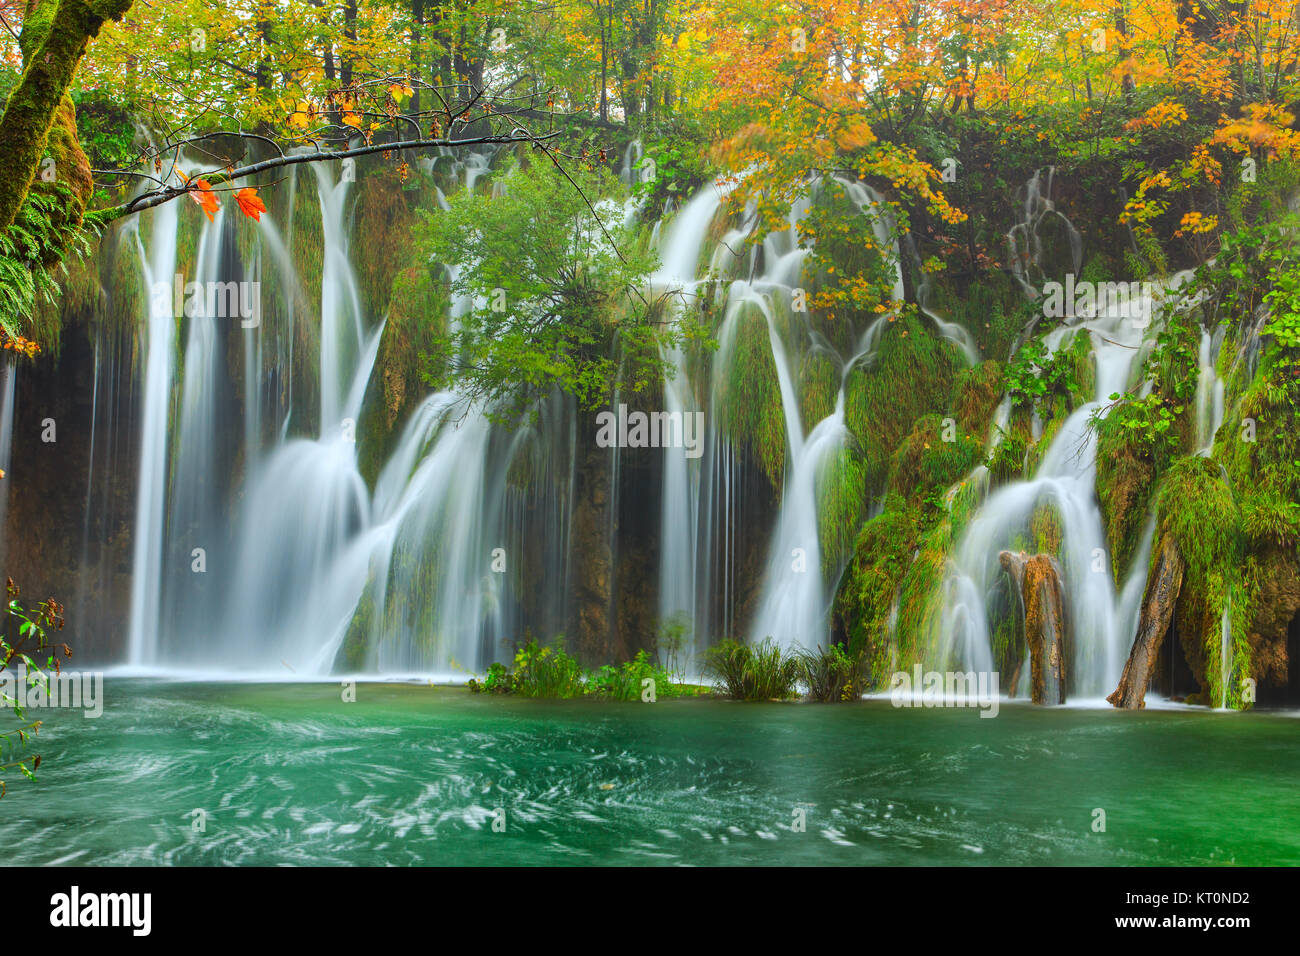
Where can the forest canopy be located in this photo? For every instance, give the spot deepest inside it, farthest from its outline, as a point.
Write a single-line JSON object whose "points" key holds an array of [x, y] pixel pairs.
{"points": [[104, 97]]}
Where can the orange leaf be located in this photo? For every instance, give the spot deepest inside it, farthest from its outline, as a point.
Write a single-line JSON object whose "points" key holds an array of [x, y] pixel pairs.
{"points": [[250, 203], [203, 195]]}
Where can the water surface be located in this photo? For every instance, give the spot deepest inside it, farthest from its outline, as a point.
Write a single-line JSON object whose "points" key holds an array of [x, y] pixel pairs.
{"points": [[411, 774]]}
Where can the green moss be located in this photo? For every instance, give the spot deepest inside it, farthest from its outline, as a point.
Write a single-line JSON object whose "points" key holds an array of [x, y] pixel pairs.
{"points": [[841, 498], [920, 600], [381, 239], [1195, 506], [1265, 471], [1083, 369], [924, 463], [819, 386], [354, 653], [882, 555], [976, 394], [1046, 529], [416, 319], [912, 374], [39, 115], [1126, 480], [750, 398], [991, 307]]}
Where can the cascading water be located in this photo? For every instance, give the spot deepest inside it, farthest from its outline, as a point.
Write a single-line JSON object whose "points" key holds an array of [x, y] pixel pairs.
{"points": [[699, 500], [680, 505], [1026, 241], [420, 571], [1102, 617], [310, 552], [159, 269]]}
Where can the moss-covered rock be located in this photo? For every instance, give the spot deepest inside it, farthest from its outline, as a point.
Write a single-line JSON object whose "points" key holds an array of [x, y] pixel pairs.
{"points": [[1196, 510], [749, 397], [841, 501], [912, 375], [933, 456], [866, 599], [1126, 479], [976, 394]]}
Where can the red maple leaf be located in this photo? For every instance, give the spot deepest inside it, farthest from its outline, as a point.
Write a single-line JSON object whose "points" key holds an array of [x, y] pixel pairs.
{"points": [[250, 203]]}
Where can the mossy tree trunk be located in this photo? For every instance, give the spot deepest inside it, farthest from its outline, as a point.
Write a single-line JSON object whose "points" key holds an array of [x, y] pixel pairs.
{"points": [[55, 36]]}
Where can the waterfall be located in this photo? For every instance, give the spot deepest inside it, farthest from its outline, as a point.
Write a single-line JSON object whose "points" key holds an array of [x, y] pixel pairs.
{"points": [[1225, 653], [308, 569], [1103, 615], [1025, 243], [159, 268], [422, 570], [697, 508], [680, 516], [1209, 392]]}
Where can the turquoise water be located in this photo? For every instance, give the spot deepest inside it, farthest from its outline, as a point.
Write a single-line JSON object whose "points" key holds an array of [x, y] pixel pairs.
{"points": [[412, 774]]}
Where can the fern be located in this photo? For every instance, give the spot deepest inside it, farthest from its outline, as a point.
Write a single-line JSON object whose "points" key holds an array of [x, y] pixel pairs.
{"points": [[40, 233]]}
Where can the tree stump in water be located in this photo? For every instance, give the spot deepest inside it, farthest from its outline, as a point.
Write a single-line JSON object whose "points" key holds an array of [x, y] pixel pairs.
{"points": [[1042, 600], [1158, 602]]}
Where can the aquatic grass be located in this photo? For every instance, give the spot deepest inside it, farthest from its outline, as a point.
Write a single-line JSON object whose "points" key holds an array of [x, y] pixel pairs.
{"points": [[761, 671]]}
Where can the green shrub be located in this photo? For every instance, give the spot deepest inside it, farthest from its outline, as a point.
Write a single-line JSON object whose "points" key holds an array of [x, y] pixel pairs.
{"points": [[25, 641], [832, 675], [538, 672], [550, 672], [626, 681]]}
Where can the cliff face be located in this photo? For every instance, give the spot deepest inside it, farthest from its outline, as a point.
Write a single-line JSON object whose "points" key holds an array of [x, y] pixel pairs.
{"points": [[71, 500]]}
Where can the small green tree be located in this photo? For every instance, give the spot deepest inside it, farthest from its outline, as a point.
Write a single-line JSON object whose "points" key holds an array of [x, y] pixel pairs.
{"points": [[674, 632], [556, 292]]}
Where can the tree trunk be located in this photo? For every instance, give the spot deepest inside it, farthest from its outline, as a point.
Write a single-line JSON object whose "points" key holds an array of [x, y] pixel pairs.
{"points": [[350, 45], [1125, 48], [417, 22], [1157, 609], [54, 39]]}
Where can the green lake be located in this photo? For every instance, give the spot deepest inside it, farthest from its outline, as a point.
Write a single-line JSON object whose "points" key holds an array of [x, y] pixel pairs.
{"points": [[410, 774]]}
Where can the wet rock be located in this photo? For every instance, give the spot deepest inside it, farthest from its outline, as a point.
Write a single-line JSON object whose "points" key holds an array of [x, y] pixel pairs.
{"points": [[1276, 604], [1038, 582]]}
